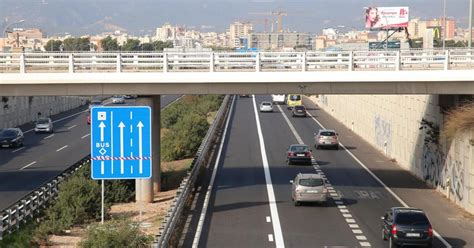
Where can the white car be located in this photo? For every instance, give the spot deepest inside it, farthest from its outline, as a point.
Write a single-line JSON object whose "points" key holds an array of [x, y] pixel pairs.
{"points": [[278, 99], [266, 107], [118, 100]]}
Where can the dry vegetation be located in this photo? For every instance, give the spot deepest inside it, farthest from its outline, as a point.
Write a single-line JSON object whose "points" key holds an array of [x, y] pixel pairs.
{"points": [[459, 119]]}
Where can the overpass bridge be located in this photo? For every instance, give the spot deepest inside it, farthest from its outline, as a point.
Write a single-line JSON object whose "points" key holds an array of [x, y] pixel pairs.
{"points": [[150, 73]]}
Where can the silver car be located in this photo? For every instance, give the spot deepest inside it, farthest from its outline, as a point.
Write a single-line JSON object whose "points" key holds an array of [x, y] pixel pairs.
{"points": [[326, 138], [266, 107], [309, 187], [118, 99], [44, 124]]}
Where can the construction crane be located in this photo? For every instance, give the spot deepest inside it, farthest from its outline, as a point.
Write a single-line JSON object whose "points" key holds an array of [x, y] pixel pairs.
{"points": [[264, 21], [279, 13]]}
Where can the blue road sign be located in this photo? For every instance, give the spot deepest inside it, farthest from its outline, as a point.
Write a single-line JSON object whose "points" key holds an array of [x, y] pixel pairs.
{"points": [[121, 142]]}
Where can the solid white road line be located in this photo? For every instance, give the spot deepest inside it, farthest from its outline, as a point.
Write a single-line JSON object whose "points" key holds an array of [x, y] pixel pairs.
{"points": [[49, 136], [61, 148], [71, 127], [85, 136], [380, 182], [292, 128], [268, 179], [18, 149], [28, 165], [202, 218]]}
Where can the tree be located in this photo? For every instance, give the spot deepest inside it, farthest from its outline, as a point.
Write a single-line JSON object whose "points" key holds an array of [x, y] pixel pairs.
{"points": [[160, 45], [131, 45], [53, 45], [146, 47], [109, 44], [77, 44]]}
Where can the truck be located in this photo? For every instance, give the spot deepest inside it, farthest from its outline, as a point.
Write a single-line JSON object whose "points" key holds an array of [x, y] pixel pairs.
{"points": [[278, 98]]}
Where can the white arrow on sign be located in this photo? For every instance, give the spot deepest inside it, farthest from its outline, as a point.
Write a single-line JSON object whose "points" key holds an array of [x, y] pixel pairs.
{"points": [[122, 169], [140, 149], [101, 126]]}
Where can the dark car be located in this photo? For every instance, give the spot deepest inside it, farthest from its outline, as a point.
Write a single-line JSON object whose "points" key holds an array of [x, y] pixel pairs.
{"points": [[89, 118], [11, 137], [407, 226], [298, 153], [299, 111]]}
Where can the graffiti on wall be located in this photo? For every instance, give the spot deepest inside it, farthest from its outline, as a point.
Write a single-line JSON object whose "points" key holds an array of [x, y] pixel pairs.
{"points": [[438, 167], [383, 133]]}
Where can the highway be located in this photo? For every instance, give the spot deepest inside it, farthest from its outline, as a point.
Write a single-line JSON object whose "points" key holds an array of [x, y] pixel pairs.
{"points": [[250, 195], [45, 156]]}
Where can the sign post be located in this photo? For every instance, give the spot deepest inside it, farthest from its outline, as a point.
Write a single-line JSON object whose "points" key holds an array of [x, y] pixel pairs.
{"points": [[121, 146]]}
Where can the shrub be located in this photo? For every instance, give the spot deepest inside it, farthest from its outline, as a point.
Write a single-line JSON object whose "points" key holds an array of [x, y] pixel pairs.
{"points": [[459, 119], [116, 234], [184, 138], [117, 191]]}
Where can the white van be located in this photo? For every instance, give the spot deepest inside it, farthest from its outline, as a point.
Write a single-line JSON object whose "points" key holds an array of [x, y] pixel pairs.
{"points": [[278, 99]]}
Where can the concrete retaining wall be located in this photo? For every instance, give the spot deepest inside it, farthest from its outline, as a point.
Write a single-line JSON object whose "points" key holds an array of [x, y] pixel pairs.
{"points": [[15, 111], [391, 123]]}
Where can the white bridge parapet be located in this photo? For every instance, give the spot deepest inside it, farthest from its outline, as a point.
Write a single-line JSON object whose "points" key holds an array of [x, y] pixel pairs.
{"points": [[339, 72]]}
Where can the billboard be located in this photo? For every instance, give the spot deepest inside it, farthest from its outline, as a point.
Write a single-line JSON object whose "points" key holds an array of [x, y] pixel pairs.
{"points": [[378, 18]]}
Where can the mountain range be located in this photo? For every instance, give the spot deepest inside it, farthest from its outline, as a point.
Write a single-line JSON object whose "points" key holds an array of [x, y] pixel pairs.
{"points": [[139, 17]]}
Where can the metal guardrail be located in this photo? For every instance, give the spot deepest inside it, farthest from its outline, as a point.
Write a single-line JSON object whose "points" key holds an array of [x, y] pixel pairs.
{"points": [[237, 62], [170, 222], [30, 205]]}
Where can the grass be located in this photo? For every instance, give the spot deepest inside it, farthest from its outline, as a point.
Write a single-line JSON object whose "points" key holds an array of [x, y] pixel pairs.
{"points": [[20, 238], [211, 116], [459, 119]]}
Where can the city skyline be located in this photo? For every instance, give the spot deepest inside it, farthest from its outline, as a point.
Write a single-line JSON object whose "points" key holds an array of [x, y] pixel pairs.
{"points": [[93, 17]]}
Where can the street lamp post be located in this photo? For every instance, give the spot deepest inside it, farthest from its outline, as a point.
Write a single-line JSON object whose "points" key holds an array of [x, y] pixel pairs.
{"points": [[8, 26], [444, 24], [471, 7]]}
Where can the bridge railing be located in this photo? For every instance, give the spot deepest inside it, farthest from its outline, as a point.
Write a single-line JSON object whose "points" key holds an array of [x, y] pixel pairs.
{"points": [[236, 62]]}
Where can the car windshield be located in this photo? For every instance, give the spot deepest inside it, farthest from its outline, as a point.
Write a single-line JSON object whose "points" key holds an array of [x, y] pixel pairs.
{"points": [[43, 121], [266, 103], [299, 149], [328, 134], [311, 182], [411, 219], [95, 103], [295, 97], [7, 133], [117, 96]]}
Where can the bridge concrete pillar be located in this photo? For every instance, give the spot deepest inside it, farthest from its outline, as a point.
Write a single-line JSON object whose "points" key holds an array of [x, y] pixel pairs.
{"points": [[145, 188]]}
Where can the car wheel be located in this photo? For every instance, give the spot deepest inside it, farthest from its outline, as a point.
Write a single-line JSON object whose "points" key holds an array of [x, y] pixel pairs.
{"points": [[336, 148], [297, 203], [383, 235]]}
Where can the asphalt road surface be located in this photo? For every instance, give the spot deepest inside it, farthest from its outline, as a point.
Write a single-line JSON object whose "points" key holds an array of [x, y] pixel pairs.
{"points": [[249, 197]]}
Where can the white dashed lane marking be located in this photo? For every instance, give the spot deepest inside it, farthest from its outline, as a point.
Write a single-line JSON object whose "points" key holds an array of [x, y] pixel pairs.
{"points": [[85, 136], [269, 219], [19, 149], [71, 127], [64, 147], [28, 165], [270, 237], [49, 136]]}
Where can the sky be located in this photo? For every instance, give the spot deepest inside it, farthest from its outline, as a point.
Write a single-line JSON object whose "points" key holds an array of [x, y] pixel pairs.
{"points": [[140, 17]]}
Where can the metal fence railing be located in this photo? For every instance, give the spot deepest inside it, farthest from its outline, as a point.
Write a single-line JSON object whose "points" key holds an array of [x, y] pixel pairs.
{"points": [[92, 62], [30, 205], [167, 233]]}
